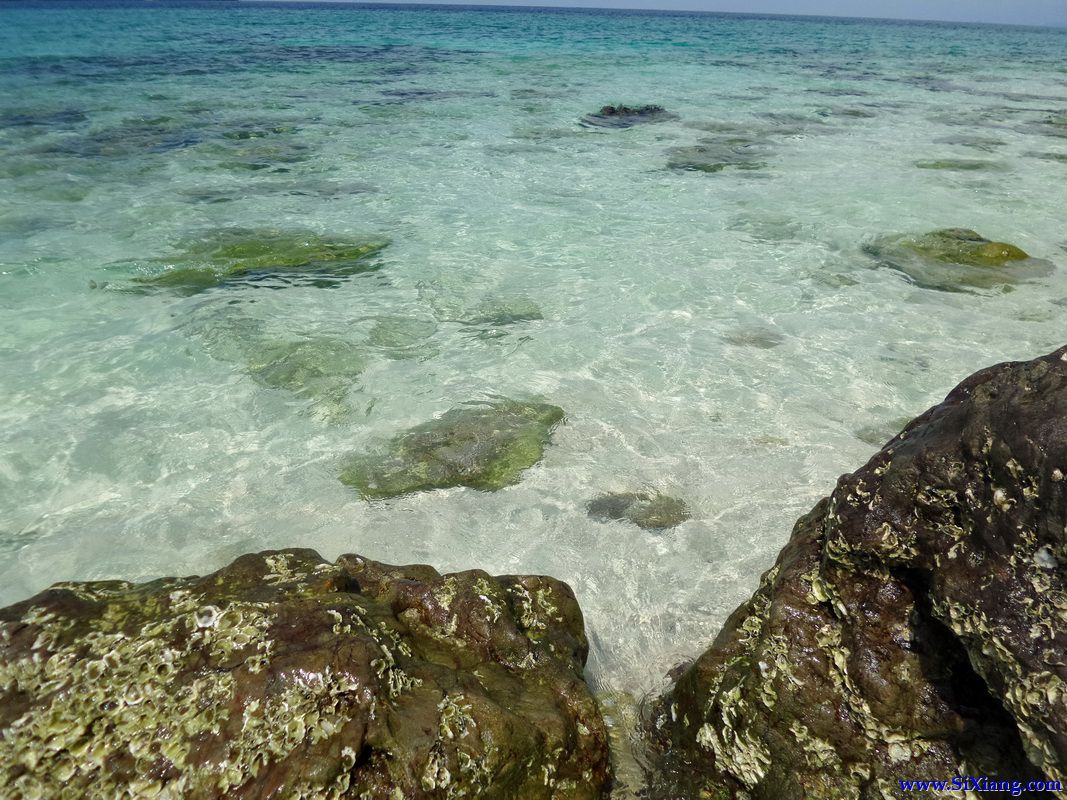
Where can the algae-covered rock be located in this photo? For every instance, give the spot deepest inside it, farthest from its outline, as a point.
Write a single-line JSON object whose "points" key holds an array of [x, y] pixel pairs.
{"points": [[243, 254], [956, 259], [484, 446], [648, 510], [963, 246], [283, 675], [912, 626], [622, 116]]}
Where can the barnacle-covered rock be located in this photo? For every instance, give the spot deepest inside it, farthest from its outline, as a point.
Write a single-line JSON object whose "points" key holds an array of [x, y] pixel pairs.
{"points": [[283, 675], [914, 625], [484, 446]]}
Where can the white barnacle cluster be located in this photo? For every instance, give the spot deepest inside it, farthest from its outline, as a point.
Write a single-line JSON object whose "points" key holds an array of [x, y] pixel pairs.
{"points": [[536, 610], [281, 569], [107, 694], [488, 593], [223, 634], [397, 681], [738, 750]]}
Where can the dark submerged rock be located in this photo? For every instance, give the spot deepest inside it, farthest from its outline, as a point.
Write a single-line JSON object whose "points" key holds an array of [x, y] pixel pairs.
{"points": [[644, 509], [284, 675], [724, 152], [961, 165], [626, 116], [913, 625], [484, 446], [956, 260]]}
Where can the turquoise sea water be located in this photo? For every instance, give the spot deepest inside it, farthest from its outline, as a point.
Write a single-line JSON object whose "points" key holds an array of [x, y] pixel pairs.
{"points": [[719, 336]]}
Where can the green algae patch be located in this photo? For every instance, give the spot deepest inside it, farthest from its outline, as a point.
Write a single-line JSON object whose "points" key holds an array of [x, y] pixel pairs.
{"points": [[957, 260], [285, 675], [651, 511], [963, 246], [484, 446], [230, 254]]}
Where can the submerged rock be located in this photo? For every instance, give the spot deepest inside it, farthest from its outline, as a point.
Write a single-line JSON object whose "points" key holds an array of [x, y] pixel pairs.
{"points": [[402, 338], [644, 509], [956, 259], [484, 446], [320, 368], [500, 312], [283, 675], [626, 116], [913, 626], [230, 254], [757, 336], [962, 246], [961, 165], [716, 155]]}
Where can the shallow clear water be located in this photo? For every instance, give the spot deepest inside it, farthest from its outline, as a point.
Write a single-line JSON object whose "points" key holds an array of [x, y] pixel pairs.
{"points": [[718, 336]]}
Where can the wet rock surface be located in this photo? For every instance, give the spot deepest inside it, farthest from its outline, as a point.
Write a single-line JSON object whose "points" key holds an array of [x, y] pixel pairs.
{"points": [[914, 624], [957, 260], [648, 510], [283, 675], [484, 446]]}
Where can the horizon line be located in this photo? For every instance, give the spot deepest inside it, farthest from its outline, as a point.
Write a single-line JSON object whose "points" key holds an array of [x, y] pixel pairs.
{"points": [[710, 12]]}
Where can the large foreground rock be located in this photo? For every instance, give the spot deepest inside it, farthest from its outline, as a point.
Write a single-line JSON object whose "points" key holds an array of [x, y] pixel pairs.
{"points": [[913, 627], [283, 675]]}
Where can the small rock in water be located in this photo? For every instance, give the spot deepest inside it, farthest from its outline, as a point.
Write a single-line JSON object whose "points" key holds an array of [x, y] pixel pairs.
{"points": [[626, 116], [498, 313], [485, 446], [644, 509], [758, 337]]}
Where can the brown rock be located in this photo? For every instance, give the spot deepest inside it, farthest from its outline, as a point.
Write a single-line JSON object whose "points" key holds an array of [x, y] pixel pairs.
{"points": [[913, 627], [283, 675]]}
